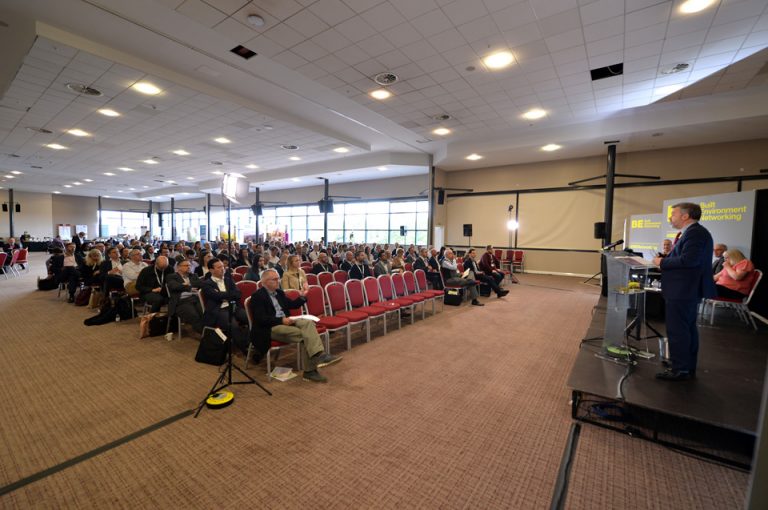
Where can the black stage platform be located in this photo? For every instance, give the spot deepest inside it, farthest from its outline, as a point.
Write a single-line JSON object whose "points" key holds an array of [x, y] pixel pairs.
{"points": [[714, 415]]}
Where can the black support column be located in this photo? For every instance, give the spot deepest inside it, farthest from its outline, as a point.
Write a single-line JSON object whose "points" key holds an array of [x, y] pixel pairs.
{"points": [[11, 208], [98, 234], [173, 220], [610, 177], [325, 214]]}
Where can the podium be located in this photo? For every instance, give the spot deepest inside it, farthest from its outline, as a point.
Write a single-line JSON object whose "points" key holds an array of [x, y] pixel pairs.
{"points": [[627, 277]]}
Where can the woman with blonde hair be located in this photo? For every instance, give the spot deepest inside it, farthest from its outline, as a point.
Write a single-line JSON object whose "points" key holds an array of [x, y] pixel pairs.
{"points": [[733, 282], [294, 276], [90, 268]]}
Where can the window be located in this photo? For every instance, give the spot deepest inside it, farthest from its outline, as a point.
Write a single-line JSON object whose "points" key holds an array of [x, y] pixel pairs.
{"points": [[123, 223]]}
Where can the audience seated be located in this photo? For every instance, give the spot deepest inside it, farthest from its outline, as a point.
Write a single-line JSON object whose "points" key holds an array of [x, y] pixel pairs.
{"points": [[220, 293], [65, 268], [322, 265], [294, 277], [490, 265], [398, 261], [666, 247], [151, 283], [477, 274], [112, 271], [131, 270], [383, 265], [732, 281], [717, 264], [182, 300], [449, 268], [432, 273], [348, 262], [360, 269]]}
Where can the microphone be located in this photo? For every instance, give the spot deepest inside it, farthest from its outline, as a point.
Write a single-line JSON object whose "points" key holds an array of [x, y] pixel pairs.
{"points": [[612, 245]]}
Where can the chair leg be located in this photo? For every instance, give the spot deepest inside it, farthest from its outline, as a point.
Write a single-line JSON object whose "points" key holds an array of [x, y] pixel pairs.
{"points": [[248, 357], [399, 320], [368, 330], [349, 337]]}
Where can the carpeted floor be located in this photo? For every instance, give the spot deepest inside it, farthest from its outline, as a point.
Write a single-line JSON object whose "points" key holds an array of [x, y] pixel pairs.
{"points": [[465, 409]]}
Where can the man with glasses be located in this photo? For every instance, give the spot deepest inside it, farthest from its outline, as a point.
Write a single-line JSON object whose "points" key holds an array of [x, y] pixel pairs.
{"points": [[270, 309], [219, 293], [183, 301]]}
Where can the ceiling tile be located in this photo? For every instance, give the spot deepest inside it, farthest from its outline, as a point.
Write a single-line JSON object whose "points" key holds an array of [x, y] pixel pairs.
{"points": [[447, 40], [646, 35], [649, 16], [514, 16], [350, 75], [402, 34], [201, 12], [383, 16], [362, 5], [463, 11], [227, 6], [733, 11], [419, 50], [432, 23], [331, 40], [603, 29], [331, 63], [280, 9], [523, 35], [411, 9], [393, 59], [309, 50], [264, 46], [284, 35], [306, 23], [565, 40], [332, 12], [685, 41], [376, 45], [480, 29], [601, 10], [605, 45], [234, 30], [544, 8], [560, 23], [355, 29], [728, 30], [352, 55]]}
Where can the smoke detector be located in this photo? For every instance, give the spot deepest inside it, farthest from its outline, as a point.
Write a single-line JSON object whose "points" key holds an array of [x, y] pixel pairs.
{"points": [[441, 117], [675, 68], [290, 147], [385, 79], [79, 88]]}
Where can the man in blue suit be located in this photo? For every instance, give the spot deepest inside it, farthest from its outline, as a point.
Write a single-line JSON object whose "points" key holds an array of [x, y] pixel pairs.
{"points": [[686, 278]]}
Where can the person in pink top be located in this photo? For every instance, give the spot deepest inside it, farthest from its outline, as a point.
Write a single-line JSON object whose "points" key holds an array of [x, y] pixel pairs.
{"points": [[734, 280]]}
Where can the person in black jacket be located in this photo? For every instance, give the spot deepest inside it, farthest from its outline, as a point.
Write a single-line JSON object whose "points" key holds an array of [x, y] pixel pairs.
{"points": [[348, 262], [321, 265], [270, 309], [360, 269], [112, 271], [64, 268], [471, 264], [220, 293], [432, 273], [151, 283], [182, 300]]}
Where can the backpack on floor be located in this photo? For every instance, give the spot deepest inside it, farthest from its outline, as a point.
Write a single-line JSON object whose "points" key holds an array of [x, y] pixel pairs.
{"points": [[105, 316], [46, 283], [82, 296]]}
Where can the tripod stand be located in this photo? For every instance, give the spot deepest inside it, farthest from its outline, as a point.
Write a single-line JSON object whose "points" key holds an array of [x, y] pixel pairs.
{"points": [[225, 377]]}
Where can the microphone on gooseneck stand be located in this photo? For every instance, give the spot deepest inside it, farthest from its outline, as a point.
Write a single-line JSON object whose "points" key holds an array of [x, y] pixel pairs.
{"points": [[613, 245]]}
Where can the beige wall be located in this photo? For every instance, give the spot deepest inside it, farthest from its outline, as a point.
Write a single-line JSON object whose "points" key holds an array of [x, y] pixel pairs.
{"points": [[566, 220], [34, 218]]}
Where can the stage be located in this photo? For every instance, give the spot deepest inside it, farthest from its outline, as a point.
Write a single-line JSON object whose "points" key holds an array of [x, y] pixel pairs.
{"points": [[714, 415]]}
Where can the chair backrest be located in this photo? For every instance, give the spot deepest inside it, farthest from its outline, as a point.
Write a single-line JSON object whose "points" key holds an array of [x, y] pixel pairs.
{"points": [[247, 288], [410, 282], [497, 254], [408, 266], [293, 294], [336, 296], [460, 267], [399, 285], [315, 301], [355, 293], [312, 279], [519, 254], [237, 277], [756, 277], [510, 255], [201, 298], [241, 270], [14, 257], [340, 276], [247, 306], [324, 278], [3, 256], [306, 266], [385, 284], [371, 287], [22, 258], [421, 279]]}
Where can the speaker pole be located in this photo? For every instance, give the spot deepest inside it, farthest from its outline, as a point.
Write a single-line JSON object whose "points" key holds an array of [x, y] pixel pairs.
{"points": [[149, 220], [431, 217], [10, 212], [208, 217], [325, 211], [610, 177], [173, 220], [257, 216], [98, 234]]}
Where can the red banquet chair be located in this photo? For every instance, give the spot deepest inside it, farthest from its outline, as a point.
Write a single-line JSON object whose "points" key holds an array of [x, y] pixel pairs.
{"points": [[411, 287], [398, 284], [388, 294], [3, 257], [312, 279], [324, 278], [518, 260], [9, 266], [340, 276], [237, 277], [336, 296], [22, 259], [421, 283], [247, 288], [241, 270], [316, 306], [374, 299], [356, 300]]}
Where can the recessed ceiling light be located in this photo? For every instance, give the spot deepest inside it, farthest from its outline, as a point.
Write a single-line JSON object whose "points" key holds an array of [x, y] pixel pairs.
{"points": [[181, 152], [146, 88], [380, 94], [341, 150], [77, 183], [255, 20], [88, 180], [125, 169], [550, 147], [498, 60], [252, 166], [474, 157], [382, 169], [119, 191], [149, 161], [67, 185], [57, 192], [185, 193], [145, 186], [107, 196], [692, 6], [109, 112], [441, 131], [222, 139], [190, 178], [295, 179], [9, 176], [535, 113], [132, 189], [78, 132], [109, 174], [218, 172], [295, 158], [55, 146], [170, 181], [667, 90], [15, 172]]}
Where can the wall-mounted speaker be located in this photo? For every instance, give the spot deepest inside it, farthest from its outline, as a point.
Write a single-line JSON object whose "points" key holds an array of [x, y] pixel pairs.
{"points": [[5, 207], [600, 230], [402, 230], [440, 197], [18, 207], [160, 219], [326, 206], [256, 210], [467, 230]]}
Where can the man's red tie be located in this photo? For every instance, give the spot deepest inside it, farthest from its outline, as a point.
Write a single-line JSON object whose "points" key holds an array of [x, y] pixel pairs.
{"points": [[676, 238]]}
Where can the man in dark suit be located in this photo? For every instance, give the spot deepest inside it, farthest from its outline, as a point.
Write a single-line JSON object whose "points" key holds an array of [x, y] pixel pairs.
{"points": [[321, 265], [686, 278], [182, 300], [360, 269], [79, 240], [151, 283], [717, 265], [432, 273], [270, 309], [471, 264], [348, 262], [220, 293]]}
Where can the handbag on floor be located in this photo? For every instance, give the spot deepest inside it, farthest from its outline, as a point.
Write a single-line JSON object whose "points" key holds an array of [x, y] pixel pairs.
{"points": [[46, 283], [82, 296], [454, 296], [213, 347], [94, 301], [155, 324]]}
